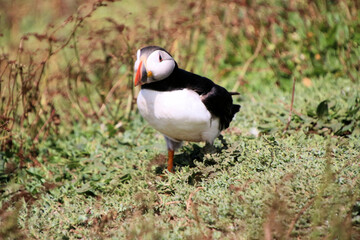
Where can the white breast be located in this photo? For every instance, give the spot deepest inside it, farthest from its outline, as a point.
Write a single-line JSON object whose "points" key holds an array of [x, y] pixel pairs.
{"points": [[180, 115]]}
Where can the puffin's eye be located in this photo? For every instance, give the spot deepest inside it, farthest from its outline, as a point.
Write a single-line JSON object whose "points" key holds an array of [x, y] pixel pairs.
{"points": [[160, 58]]}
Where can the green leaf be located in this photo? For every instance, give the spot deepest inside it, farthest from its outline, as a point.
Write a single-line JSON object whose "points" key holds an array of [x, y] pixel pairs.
{"points": [[322, 109]]}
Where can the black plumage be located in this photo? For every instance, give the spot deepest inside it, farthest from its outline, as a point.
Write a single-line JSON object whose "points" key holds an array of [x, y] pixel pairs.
{"points": [[216, 98]]}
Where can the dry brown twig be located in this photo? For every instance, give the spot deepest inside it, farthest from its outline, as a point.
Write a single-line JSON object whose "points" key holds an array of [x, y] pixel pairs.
{"points": [[36, 139], [172, 202], [159, 197], [287, 107], [189, 201], [109, 95], [297, 217]]}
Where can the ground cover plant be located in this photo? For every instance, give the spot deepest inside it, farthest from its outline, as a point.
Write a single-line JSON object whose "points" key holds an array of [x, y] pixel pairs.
{"points": [[78, 161]]}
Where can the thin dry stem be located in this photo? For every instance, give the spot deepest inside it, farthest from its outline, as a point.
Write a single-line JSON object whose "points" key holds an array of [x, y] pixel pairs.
{"points": [[109, 95], [189, 201], [36, 139], [297, 217]]}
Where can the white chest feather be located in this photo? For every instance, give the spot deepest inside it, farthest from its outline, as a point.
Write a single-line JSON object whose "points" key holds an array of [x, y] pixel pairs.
{"points": [[179, 114]]}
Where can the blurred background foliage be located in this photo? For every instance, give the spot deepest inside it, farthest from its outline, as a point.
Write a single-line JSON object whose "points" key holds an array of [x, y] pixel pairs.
{"points": [[65, 61]]}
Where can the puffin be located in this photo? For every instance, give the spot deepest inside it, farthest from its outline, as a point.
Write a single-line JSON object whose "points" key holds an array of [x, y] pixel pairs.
{"points": [[181, 105]]}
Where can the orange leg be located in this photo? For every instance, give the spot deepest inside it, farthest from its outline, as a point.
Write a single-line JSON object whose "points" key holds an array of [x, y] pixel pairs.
{"points": [[170, 160]]}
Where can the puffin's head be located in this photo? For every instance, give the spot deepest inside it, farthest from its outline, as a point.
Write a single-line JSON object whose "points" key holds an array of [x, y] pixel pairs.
{"points": [[152, 64]]}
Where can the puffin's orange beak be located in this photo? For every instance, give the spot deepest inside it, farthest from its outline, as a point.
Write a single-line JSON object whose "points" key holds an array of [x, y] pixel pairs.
{"points": [[138, 75]]}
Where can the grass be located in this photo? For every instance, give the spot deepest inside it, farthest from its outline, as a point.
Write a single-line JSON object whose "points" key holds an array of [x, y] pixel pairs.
{"points": [[78, 161]]}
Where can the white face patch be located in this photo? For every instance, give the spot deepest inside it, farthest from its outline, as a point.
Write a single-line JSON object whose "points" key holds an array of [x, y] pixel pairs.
{"points": [[160, 64], [137, 62]]}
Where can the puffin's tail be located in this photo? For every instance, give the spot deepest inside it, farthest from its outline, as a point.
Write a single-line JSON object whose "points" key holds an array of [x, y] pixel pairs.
{"points": [[234, 109]]}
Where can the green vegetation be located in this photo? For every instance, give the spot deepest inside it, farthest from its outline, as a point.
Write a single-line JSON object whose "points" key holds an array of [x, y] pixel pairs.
{"points": [[78, 161]]}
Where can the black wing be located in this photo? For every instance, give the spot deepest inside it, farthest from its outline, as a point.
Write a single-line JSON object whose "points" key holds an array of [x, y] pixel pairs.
{"points": [[219, 102], [216, 98]]}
